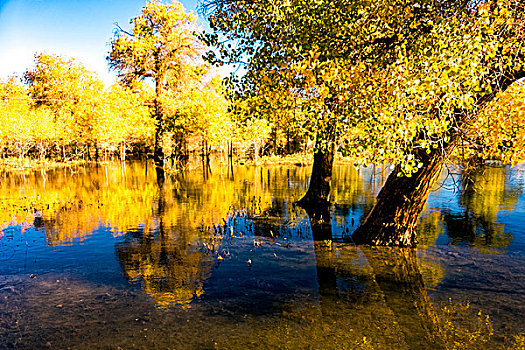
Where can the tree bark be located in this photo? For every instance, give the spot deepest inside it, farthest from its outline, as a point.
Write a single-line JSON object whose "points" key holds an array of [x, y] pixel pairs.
{"points": [[319, 189], [393, 219], [158, 153]]}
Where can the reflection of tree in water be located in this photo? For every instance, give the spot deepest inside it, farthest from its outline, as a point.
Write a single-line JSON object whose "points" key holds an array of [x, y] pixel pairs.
{"points": [[165, 260], [486, 191], [391, 286], [280, 219], [380, 294], [354, 191], [169, 267], [364, 298]]}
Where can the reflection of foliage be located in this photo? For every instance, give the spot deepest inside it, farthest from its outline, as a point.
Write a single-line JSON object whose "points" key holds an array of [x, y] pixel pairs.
{"points": [[475, 231], [71, 203], [518, 341], [70, 206], [429, 228], [486, 191], [167, 264], [432, 272], [350, 186]]}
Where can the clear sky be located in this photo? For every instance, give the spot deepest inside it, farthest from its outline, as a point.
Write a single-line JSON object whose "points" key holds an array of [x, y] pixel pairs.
{"points": [[73, 28]]}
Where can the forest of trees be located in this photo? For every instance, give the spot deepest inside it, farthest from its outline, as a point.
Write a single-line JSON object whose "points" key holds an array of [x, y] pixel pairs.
{"points": [[60, 111], [168, 101]]}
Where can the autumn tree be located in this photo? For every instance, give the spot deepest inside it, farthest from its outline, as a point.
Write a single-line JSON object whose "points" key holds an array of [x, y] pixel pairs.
{"points": [[162, 47], [124, 122], [381, 81], [201, 111], [443, 87], [72, 93], [16, 122], [498, 131]]}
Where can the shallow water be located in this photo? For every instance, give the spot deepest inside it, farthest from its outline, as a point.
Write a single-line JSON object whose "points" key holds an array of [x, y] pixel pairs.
{"points": [[104, 257]]}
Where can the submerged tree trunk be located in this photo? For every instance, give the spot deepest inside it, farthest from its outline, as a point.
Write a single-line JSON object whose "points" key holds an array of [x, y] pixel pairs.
{"points": [[319, 189], [320, 222], [393, 219]]}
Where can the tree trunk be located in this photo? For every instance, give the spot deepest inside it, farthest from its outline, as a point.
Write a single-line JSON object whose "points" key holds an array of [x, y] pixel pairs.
{"points": [[123, 151], [319, 189], [158, 153], [393, 218], [96, 152]]}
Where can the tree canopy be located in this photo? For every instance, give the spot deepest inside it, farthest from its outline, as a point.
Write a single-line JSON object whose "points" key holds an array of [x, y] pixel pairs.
{"points": [[404, 82], [162, 46], [391, 77]]}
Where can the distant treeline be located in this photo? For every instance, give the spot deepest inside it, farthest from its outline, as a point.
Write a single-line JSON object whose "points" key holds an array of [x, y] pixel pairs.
{"points": [[60, 111]]}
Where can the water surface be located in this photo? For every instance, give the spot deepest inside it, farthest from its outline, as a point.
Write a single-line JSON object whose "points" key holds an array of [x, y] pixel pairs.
{"points": [[104, 257]]}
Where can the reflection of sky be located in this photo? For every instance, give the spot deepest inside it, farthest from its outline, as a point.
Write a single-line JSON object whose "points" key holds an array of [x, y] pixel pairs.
{"points": [[74, 28], [27, 252]]}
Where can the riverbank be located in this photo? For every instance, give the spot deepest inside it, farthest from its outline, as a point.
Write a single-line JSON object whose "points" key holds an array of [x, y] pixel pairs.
{"points": [[15, 164]]}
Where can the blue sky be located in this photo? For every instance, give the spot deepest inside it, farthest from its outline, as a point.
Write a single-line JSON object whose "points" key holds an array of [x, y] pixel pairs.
{"points": [[73, 28]]}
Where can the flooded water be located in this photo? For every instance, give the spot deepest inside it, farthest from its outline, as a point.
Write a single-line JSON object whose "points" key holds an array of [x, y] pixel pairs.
{"points": [[102, 257]]}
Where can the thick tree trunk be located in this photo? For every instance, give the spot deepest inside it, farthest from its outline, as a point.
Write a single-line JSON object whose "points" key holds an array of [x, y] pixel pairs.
{"points": [[393, 218], [319, 189]]}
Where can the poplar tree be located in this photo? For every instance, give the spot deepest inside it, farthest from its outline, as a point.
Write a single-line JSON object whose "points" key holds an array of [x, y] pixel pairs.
{"points": [[162, 47]]}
